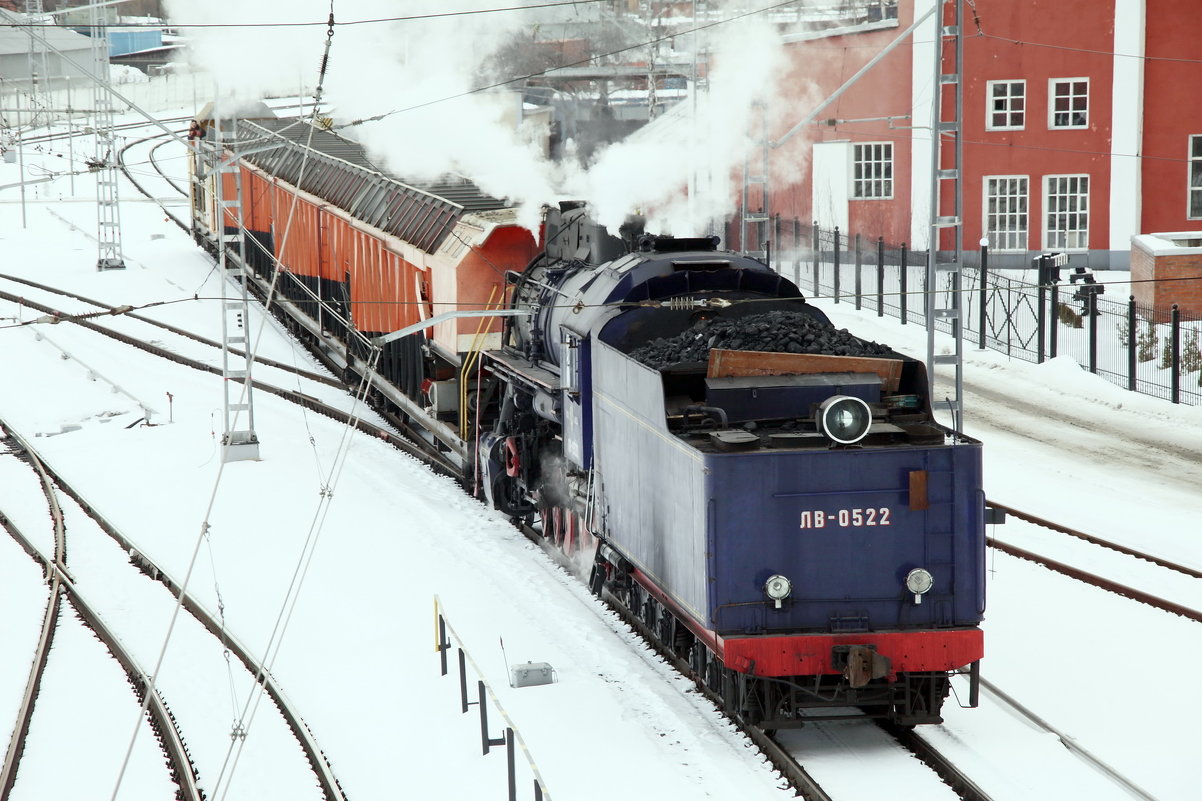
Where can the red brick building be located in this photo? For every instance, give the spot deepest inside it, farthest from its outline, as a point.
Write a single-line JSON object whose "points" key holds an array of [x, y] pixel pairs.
{"points": [[1081, 127]]}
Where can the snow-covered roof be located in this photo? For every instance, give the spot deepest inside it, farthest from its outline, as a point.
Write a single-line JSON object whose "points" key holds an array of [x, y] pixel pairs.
{"points": [[14, 40], [420, 213], [1178, 243]]}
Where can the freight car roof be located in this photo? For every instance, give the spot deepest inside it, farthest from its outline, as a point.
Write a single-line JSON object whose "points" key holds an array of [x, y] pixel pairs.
{"points": [[339, 171]]}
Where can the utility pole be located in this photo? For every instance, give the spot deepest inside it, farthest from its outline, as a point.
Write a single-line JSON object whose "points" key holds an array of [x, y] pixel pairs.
{"points": [[104, 165], [38, 98], [947, 202], [239, 439]]}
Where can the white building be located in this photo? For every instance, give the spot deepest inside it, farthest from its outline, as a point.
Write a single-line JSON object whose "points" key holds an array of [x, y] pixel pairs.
{"points": [[62, 54]]}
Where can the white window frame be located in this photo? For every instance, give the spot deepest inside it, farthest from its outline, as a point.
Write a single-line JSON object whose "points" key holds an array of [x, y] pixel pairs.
{"points": [[1008, 100], [1193, 179], [1075, 238], [1052, 83], [879, 184], [1021, 216]]}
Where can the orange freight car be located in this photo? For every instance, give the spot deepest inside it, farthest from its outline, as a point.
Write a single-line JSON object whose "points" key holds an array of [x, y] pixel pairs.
{"points": [[361, 253]]}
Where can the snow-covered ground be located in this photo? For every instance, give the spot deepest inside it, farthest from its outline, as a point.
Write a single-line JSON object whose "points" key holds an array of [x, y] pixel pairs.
{"points": [[357, 653]]}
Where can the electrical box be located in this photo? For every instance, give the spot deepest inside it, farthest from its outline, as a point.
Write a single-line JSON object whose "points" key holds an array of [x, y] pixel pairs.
{"points": [[444, 396], [531, 674], [765, 397]]}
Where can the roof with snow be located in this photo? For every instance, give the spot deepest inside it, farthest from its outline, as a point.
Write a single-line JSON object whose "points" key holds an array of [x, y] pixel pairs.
{"points": [[338, 170], [14, 40]]}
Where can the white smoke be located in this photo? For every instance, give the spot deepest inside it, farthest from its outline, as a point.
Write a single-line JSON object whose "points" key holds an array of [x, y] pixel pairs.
{"points": [[701, 144], [421, 76]]}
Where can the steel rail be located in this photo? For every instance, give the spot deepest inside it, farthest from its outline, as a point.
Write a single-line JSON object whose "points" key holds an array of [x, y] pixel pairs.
{"points": [[1096, 581], [1114, 546], [183, 771], [1068, 742], [127, 126], [953, 777], [138, 184], [793, 772], [154, 163], [16, 743], [307, 401], [317, 759], [318, 377]]}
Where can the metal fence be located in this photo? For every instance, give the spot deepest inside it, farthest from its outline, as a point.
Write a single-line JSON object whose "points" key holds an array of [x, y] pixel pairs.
{"points": [[1153, 350], [510, 739]]}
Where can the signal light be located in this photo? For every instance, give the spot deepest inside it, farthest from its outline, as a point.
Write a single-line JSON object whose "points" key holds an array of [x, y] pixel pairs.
{"points": [[919, 582], [843, 419], [778, 588]]}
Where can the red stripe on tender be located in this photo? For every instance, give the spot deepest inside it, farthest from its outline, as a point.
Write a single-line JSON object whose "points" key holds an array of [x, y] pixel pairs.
{"points": [[810, 654]]}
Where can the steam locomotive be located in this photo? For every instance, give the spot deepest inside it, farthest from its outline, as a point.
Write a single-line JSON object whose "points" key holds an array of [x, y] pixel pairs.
{"points": [[771, 497], [794, 524]]}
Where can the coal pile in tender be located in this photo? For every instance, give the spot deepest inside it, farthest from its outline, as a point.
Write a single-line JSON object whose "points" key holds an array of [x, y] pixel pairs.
{"points": [[774, 332]]}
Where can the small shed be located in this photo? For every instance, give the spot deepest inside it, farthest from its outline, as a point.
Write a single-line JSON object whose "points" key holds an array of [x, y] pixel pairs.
{"points": [[1166, 269]]}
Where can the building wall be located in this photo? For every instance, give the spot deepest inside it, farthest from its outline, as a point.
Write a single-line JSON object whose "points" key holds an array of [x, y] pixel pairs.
{"points": [[1037, 42], [1172, 112], [1143, 67], [54, 48], [1143, 268], [820, 67]]}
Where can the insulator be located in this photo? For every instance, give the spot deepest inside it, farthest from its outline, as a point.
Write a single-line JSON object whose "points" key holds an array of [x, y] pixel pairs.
{"points": [[681, 304]]}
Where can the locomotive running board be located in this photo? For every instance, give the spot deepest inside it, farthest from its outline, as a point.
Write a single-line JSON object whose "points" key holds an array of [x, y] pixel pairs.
{"points": [[336, 352]]}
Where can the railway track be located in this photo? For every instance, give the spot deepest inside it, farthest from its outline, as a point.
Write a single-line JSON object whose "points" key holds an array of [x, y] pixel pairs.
{"points": [[109, 309], [129, 126], [935, 769], [124, 167], [1039, 723], [16, 745], [63, 589], [1165, 569], [423, 452], [157, 168], [54, 482], [947, 772]]}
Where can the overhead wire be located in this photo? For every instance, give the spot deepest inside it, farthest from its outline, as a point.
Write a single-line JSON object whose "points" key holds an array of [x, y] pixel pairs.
{"points": [[903, 134], [580, 62], [346, 23], [236, 742], [1091, 51], [292, 594], [68, 318]]}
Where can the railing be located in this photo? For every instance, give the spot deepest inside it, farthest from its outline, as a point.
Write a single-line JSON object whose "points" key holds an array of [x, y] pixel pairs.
{"points": [[1152, 350], [511, 739]]}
